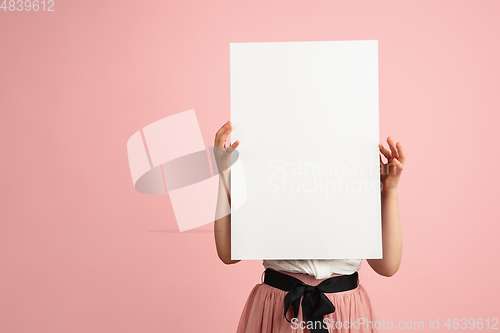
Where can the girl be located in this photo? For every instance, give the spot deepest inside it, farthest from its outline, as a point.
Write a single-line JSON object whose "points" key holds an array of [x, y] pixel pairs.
{"points": [[273, 306]]}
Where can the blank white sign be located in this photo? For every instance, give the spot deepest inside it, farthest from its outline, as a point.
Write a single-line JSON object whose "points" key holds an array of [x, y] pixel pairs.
{"points": [[306, 116]]}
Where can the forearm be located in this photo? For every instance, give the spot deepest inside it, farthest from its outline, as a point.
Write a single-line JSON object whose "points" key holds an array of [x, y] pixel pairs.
{"points": [[392, 236], [222, 230]]}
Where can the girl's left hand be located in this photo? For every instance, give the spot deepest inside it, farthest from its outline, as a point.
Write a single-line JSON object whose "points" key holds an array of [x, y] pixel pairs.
{"points": [[391, 171]]}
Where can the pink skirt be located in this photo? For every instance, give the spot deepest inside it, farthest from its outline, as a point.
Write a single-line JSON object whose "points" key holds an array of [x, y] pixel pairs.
{"points": [[263, 311]]}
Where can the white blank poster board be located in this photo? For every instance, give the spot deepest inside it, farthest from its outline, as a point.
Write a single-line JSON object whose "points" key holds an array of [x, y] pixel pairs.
{"points": [[306, 116]]}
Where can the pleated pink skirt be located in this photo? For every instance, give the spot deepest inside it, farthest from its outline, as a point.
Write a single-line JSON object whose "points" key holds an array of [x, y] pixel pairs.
{"points": [[263, 311]]}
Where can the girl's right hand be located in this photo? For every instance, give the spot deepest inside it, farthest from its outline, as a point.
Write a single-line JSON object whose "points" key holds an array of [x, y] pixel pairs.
{"points": [[221, 153]]}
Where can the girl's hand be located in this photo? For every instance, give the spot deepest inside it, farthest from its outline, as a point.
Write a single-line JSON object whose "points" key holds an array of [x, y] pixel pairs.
{"points": [[391, 172], [223, 154]]}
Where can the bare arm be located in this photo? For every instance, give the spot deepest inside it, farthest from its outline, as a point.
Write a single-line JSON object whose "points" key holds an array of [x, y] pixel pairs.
{"points": [[222, 232], [222, 226], [392, 236]]}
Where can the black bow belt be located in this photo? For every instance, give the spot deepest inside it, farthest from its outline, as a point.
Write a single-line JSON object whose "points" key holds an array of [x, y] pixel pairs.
{"points": [[315, 304]]}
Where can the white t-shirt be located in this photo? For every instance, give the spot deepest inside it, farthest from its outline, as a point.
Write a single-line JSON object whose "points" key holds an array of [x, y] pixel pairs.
{"points": [[320, 268]]}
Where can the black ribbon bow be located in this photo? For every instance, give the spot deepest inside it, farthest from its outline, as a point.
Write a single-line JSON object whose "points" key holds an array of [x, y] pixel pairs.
{"points": [[315, 304]]}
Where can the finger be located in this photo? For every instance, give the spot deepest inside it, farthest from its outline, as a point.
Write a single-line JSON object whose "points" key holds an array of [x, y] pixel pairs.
{"points": [[220, 132], [223, 136], [398, 167], [223, 127], [385, 151], [399, 164], [232, 147], [382, 165], [393, 147], [401, 152]]}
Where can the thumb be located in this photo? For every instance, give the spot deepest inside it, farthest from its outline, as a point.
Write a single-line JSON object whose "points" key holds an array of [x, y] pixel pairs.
{"points": [[232, 147]]}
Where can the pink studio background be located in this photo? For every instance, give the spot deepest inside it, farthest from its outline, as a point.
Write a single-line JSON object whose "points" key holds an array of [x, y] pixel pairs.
{"points": [[82, 251]]}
